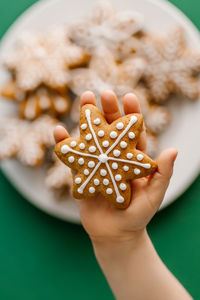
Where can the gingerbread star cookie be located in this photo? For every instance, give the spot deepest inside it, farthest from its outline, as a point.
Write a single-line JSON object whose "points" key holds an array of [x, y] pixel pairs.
{"points": [[105, 157], [171, 66], [37, 59], [105, 28]]}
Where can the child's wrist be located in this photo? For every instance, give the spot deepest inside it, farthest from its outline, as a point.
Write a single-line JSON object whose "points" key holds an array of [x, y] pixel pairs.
{"points": [[115, 247]]}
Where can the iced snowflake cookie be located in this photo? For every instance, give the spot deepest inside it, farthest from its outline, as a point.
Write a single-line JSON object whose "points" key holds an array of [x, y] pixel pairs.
{"points": [[172, 67], [37, 59], [26, 141], [42, 100], [105, 157], [105, 28]]}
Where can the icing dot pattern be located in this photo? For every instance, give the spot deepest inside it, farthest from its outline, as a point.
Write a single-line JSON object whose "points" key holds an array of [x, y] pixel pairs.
{"points": [[82, 146], [71, 159], [97, 121], [137, 171], [113, 134], [73, 144], [92, 190], [88, 137], [91, 164], [106, 181], [120, 126], [115, 166], [83, 126], [105, 144], [100, 133], [92, 149], [81, 161], [78, 180], [86, 172], [106, 155], [96, 181], [103, 172]]}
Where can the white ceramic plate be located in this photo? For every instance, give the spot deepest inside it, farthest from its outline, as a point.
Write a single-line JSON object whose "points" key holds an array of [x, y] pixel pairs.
{"points": [[183, 133]]}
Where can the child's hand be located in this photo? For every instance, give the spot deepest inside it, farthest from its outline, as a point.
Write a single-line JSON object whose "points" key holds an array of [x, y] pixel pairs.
{"points": [[101, 220]]}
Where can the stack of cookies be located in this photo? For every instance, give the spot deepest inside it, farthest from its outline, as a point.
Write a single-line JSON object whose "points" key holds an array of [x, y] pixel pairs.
{"points": [[108, 49]]}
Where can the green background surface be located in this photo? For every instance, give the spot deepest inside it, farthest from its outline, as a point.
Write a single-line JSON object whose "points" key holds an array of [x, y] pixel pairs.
{"points": [[45, 258]]}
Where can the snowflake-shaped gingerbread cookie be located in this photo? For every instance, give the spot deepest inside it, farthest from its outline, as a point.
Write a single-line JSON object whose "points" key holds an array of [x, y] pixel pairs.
{"points": [[105, 28], [26, 141], [171, 66], [105, 156], [44, 59]]}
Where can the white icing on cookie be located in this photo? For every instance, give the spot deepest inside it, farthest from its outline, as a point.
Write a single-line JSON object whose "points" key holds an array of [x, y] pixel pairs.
{"points": [[105, 181], [82, 146], [123, 145], [109, 191], [116, 153], [125, 168], [140, 157], [73, 144], [122, 186], [105, 144], [64, 149], [92, 149], [96, 181], [91, 164], [83, 126], [71, 159], [131, 135], [92, 190], [103, 156], [118, 177], [132, 121], [115, 166], [113, 134], [137, 171], [81, 161], [86, 172], [80, 191], [120, 199], [88, 137], [103, 172], [120, 125], [129, 155], [97, 121], [78, 180], [100, 133]]}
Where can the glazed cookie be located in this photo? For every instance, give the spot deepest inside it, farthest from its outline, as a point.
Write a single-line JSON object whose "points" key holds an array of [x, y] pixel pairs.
{"points": [[105, 28], [105, 156], [44, 100], [11, 91], [26, 141], [171, 66], [37, 59]]}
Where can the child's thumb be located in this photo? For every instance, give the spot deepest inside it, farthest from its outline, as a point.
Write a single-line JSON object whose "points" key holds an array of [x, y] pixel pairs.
{"points": [[166, 163], [160, 180]]}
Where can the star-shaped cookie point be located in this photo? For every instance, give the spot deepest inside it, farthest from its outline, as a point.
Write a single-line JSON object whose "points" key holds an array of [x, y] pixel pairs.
{"points": [[105, 157]]}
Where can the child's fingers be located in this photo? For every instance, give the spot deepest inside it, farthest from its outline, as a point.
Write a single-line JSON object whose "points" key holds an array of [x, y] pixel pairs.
{"points": [[60, 133], [110, 106], [87, 98], [131, 106], [142, 142], [159, 181]]}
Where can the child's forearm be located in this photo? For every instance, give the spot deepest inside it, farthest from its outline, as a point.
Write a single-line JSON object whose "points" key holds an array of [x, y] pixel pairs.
{"points": [[132, 267]]}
